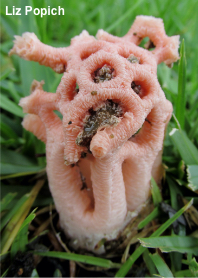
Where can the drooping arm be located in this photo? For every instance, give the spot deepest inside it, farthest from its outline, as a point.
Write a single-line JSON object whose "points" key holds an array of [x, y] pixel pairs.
{"points": [[29, 47]]}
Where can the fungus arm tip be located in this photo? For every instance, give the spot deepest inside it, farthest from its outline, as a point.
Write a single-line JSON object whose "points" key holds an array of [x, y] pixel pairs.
{"points": [[29, 47]]}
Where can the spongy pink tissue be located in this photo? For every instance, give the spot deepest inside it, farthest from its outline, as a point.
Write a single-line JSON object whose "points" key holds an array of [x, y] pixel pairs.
{"points": [[102, 153]]}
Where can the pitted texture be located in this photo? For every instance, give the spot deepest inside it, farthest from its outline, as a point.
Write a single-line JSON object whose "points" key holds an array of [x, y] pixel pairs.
{"points": [[96, 184]]}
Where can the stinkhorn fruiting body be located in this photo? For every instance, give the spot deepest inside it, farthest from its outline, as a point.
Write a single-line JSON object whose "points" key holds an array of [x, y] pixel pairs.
{"points": [[102, 154]]}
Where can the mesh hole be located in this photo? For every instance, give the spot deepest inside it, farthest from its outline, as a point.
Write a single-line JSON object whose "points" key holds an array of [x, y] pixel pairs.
{"points": [[103, 73]]}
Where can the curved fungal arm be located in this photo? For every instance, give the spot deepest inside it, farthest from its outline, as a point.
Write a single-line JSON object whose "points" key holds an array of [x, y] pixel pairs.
{"points": [[29, 47]]}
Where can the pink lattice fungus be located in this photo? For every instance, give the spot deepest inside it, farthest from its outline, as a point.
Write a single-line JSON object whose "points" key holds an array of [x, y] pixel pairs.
{"points": [[102, 154]]}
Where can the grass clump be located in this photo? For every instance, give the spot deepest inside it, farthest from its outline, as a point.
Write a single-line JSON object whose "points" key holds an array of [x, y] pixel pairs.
{"points": [[21, 167]]}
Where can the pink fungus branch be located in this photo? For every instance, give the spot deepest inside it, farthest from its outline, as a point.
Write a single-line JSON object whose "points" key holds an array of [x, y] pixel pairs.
{"points": [[102, 154]]}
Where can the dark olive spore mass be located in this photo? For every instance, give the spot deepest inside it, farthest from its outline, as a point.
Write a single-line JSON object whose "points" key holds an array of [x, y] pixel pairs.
{"points": [[133, 60], [136, 88], [107, 115], [105, 73]]}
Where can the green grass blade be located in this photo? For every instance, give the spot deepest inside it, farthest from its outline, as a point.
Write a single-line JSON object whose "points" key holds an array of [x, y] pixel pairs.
{"points": [[6, 73], [174, 192], [13, 162], [14, 124], [9, 24], [161, 266], [149, 218], [123, 17], [195, 200], [80, 258], [194, 131], [57, 273], [21, 174], [184, 273], [21, 239], [186, 148], [181, 99], [193, 265], [5, 273], [149, 263], [4, 256], [192, 176], [181, 244], [11, 168], [176, 258], [164, 226], [138, 252], [16, 221], [13, 92], [6, 200], [155, 191], [11, 213], [7, 131], [11, 107], [34, 273]]}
